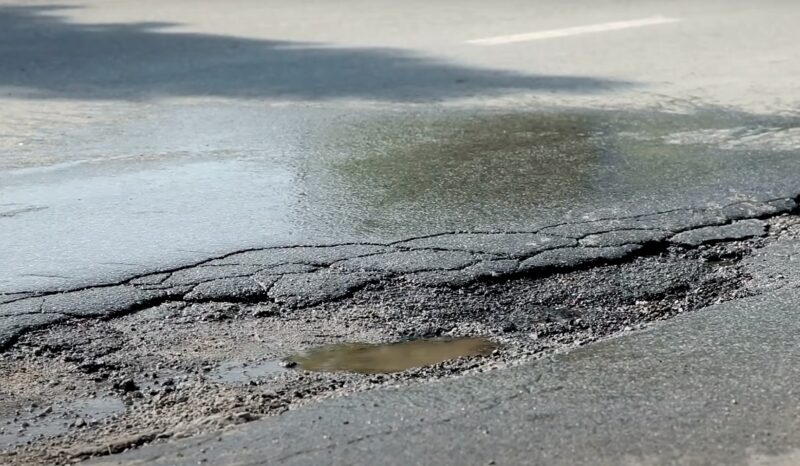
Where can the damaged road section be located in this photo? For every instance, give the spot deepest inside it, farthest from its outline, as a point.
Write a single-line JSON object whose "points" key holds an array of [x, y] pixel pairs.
{"points": [[179, 368], [307, 275]]}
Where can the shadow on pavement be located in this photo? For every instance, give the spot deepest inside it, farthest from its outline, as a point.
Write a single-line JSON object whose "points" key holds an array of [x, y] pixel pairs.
{"points": [[44, 56]]}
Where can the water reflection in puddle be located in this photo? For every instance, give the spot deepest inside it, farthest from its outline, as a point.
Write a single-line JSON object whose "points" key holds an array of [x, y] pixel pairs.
{"points": [[392, 357]]}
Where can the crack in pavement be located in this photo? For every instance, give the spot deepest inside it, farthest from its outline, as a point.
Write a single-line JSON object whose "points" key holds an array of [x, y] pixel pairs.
{"points": [[23, 210], [198, 347], [303, 275]]}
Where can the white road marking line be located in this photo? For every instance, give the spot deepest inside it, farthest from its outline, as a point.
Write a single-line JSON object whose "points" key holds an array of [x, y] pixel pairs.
{"points": [[574, 31]]}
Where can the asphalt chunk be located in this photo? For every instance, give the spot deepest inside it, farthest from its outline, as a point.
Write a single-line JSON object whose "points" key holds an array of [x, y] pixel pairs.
{"points": [[232, 289], [103, 301], [570, 258], [314, 255], [312, 288], [737, 230], [454, 278], [506, 244], [409, 261]]}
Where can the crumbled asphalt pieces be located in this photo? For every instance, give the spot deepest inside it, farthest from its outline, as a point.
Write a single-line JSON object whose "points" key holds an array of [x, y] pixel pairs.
{"points": [[173, 354]]}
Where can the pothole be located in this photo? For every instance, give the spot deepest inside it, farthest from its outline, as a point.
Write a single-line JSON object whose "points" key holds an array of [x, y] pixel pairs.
{"points": [[229, 370]]}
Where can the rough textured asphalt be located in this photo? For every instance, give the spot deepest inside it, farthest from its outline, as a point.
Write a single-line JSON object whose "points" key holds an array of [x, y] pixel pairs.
{"points": [[302, 276], [284, 155], [94, 387], [713, 387]]}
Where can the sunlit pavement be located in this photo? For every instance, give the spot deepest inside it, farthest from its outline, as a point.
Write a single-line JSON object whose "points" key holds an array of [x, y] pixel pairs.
{"points": [[143, 136], [137, 137]]}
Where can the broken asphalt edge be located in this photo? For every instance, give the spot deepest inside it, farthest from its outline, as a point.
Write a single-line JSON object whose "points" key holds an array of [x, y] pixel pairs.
{"points": [[301, 276]]}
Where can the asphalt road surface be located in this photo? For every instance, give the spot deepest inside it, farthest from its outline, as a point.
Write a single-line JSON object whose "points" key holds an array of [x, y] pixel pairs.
{"points": [[140, 136], [435, 142]]}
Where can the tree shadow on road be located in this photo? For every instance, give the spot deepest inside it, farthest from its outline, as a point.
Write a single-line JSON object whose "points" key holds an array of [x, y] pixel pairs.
{"points": [[44, 56]]}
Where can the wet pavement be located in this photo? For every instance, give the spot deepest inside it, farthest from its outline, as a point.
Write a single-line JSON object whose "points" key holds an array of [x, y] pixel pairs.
{"points": [[306, 169], [145, 145], [373, 177]]}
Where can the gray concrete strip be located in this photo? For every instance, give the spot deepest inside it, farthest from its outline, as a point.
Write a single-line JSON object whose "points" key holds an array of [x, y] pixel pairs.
{"points": [[717, 386]]}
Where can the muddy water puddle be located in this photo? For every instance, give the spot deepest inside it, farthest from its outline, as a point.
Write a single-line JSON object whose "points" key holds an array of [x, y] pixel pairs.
{"points": [[367, 358]]}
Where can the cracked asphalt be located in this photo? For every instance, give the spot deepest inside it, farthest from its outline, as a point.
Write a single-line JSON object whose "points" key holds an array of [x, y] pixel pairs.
{"points": [[178, 136], [304, 276], [181, 367], [190, 198], [619, 402]]}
